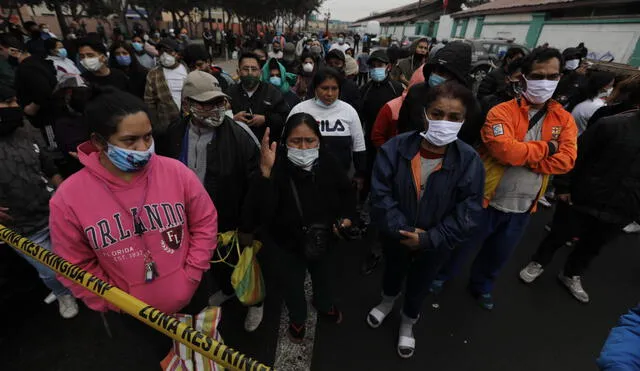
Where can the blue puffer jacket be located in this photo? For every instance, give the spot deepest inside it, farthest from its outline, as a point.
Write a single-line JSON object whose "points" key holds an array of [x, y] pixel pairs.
{"points": [[621, 351], [452, 202]]}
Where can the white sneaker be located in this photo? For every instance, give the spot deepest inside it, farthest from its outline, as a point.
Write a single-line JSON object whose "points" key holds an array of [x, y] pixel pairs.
{"points": [[219, 298], [632, 228], [574, 285], [532, 271], [254, 318], [544, 202], [68, 306]]}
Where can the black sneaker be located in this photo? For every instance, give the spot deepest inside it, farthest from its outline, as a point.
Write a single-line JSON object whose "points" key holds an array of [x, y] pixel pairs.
{"points": [[370, 264], [296, 333], [334, 315]]}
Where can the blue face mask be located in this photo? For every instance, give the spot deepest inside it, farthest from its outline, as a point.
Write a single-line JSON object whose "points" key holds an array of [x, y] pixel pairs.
{"points": [[137, 46], [323, 104], [378, 74], [62, 53], [275, 81], [123, 60], [435, 80], [129, 160]]}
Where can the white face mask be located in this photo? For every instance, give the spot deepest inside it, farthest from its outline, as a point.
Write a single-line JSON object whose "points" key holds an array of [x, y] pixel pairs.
{"points": [[539, 91], [605, 93], [303, 158], [91, 64], [572, 64], [167, 60], [441, 132], [307, 67]]}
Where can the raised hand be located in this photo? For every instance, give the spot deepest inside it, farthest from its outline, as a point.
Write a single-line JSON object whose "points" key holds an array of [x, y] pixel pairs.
{"points": [[267, 154]]}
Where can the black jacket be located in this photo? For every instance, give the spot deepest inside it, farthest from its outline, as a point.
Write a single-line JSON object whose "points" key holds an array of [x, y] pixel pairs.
{"points": [[610, 110], [374, 96], [24, 189], [492, 83], [455, 57], [570, 87], [605, 181], [267, 100], [233, 159], [34, 83], [326, 195]]}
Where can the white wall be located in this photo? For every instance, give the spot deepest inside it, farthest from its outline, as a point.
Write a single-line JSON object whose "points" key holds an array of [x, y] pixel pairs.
{"points": [[444, 28], [519, 32], [471, 28], [521, 17], [618, 40]]}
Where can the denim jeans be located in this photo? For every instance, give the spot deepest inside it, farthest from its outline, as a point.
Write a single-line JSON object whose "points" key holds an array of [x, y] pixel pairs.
{"points": [[47, 276]]}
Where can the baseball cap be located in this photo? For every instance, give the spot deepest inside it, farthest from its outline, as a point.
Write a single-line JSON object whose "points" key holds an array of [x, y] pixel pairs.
{"points": [[202, 87], [378, 55], [168, 43]]}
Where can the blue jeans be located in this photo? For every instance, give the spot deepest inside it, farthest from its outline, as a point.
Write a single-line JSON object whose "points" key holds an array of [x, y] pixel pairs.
{"points": [[46, 274], [498, 234]]}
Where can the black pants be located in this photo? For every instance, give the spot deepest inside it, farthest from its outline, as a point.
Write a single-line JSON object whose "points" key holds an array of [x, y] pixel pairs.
{"points": [[420, 269], [569, 223], [293, 271]]}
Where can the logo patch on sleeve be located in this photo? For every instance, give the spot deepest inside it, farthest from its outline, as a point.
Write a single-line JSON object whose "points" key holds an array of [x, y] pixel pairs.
{"points": [[497, 130]]}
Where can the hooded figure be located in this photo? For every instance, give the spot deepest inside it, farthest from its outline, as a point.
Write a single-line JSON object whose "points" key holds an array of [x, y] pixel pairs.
{"points": [[275, 74], [289, 60], [452, 62], [405, 67]]}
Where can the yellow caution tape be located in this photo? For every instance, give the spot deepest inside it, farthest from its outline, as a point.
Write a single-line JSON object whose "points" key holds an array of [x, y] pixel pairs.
{"points": [[167, 324]]}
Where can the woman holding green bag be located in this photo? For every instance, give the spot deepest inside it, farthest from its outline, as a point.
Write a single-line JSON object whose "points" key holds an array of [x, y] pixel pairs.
{"points": [[305, 198]]}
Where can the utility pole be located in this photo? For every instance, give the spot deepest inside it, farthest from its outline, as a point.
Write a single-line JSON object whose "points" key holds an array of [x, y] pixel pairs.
{"points": [[327, 16]]}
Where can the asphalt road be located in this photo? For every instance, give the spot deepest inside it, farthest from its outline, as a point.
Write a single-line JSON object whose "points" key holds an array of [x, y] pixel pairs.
{"points": [[532, 328]]}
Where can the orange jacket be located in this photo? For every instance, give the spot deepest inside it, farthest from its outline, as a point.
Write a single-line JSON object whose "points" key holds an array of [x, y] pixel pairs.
{"points": [[503, 143]]}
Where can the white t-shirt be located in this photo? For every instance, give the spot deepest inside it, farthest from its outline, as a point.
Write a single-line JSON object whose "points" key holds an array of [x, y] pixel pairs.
{"points": [[339, 125], [175, 80], [583, 112]]}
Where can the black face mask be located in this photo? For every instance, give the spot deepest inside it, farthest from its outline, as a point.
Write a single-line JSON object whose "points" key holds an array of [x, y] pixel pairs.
{"points": [[13, 61], [10, 119]]}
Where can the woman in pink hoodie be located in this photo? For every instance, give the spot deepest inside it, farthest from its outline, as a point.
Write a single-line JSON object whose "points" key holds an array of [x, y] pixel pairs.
{"points": [[141, 222]]}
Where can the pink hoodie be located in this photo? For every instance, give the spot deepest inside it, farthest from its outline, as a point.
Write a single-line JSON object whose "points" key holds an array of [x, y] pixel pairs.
{"points": [[92, 226]]}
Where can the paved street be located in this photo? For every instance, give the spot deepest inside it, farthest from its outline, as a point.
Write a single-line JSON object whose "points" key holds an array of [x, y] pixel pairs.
{"points": [[531, 329]]}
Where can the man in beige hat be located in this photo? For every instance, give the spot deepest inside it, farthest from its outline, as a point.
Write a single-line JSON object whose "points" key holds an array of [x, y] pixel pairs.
{"points": [[225, 158]]}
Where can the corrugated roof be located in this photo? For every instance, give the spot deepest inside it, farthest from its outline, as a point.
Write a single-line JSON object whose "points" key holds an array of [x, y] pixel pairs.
{"points": [[394, 11], [502, 5]]}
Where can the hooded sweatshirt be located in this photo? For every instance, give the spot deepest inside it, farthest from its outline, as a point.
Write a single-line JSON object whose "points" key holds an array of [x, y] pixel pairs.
{"points": [[455, 57], [92, 226], [288, 79]]}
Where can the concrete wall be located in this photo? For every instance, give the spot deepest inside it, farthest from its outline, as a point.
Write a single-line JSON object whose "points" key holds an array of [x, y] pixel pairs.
{"points": [[444, 29], [519, 32], [602, 40]]}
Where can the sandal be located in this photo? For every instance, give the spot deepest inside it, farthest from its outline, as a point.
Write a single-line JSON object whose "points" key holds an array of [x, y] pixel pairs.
{"points": [[376, 317], [406, 346]]}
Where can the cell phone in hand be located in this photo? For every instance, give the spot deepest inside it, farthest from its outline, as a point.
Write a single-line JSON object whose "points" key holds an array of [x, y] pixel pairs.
{"points": [[248, 116]]}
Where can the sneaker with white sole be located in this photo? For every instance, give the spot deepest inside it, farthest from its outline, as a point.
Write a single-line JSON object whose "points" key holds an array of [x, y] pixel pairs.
{"points": [[532, 271], [219, 298], [254, 318], [574, 285], [632, 228], [67, 306], [544, 202]]}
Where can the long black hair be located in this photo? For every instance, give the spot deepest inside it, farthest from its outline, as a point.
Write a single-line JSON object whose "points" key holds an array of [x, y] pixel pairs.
{"points": [[134, 67], [596, 81], [296, 120], [107, 107]]}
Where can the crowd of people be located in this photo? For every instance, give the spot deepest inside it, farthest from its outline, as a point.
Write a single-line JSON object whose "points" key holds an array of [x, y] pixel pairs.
{"points": [[127, 159]]}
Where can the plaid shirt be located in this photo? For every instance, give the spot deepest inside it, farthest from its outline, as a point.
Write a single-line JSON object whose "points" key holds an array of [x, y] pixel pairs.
{"points": [[157, 96]]}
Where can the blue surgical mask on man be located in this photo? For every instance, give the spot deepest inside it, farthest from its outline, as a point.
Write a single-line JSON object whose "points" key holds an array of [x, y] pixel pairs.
{"points": [[435, 80], [378, 74], [275, 81], [137, 46], [129, 160]]}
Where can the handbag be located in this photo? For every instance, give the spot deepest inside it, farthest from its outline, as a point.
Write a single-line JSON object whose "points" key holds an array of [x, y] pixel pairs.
{"points": [[182, 358], [246, 279], [316, 236]]}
